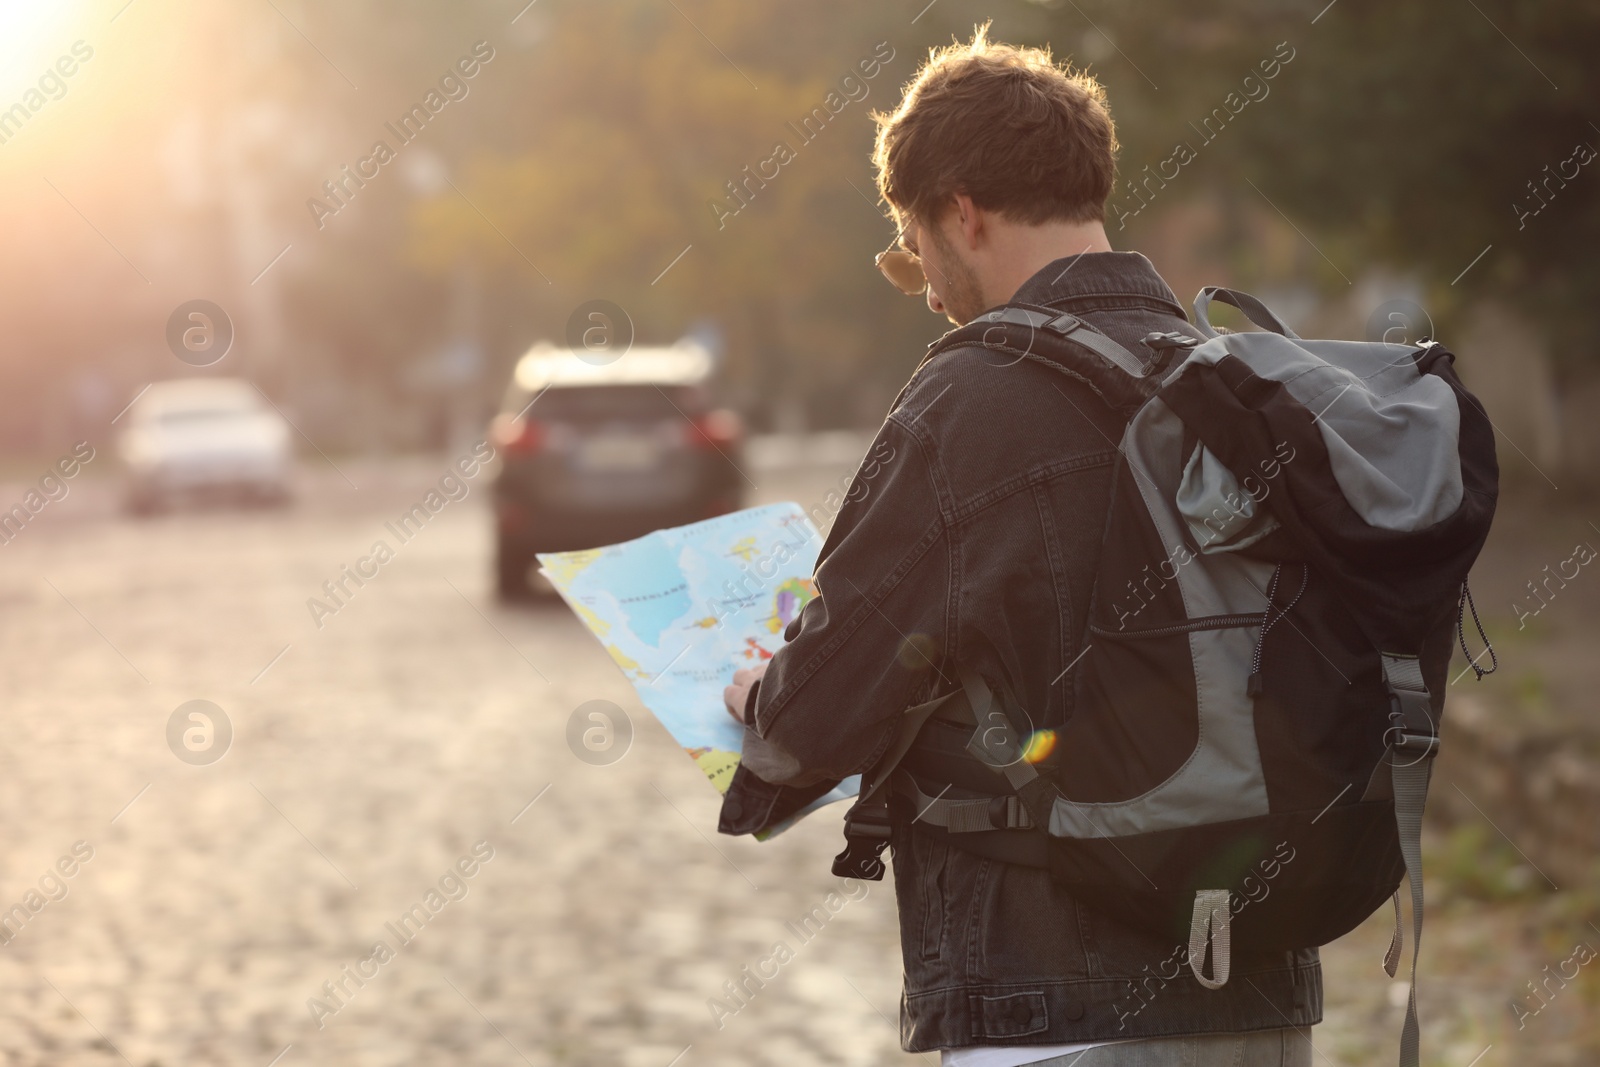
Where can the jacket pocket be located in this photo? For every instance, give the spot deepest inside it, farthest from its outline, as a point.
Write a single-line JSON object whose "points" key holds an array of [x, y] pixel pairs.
{"points": [[1028, 926], [931, 881]]}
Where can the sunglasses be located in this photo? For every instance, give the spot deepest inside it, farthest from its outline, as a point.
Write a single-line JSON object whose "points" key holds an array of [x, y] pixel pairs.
{"points": [[902, 268]]}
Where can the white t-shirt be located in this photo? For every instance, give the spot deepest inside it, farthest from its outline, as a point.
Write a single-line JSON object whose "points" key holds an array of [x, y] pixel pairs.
{"points": [[1013, 1056]]}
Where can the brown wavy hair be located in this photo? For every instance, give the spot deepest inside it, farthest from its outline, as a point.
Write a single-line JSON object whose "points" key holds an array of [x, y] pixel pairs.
{"points": [[1020, 134]]}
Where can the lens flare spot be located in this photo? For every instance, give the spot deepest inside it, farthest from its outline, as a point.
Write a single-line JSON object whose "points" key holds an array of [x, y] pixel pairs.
{"points": [[1040, 744]]}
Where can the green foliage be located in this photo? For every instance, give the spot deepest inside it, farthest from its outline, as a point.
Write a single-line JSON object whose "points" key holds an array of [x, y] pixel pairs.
{"points": [[1475, 863], [592, 153], [1405, 134], [643, 141], [1532, 695]]}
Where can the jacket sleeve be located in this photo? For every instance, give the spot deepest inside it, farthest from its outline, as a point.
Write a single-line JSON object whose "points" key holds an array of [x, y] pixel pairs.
{"points": [[870, 642]]}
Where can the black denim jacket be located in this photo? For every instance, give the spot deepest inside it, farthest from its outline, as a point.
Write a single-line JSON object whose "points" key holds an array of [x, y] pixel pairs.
{"points": [[972, 535]]}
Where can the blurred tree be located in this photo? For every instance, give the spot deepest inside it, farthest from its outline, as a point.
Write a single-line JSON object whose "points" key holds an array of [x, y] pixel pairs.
{"points": [[597, 146], [1416, 135], [644, 141]]}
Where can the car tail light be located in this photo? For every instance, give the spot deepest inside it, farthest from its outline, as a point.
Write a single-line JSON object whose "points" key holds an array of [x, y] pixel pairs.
{"points": [[517, 436], [718, 428]]}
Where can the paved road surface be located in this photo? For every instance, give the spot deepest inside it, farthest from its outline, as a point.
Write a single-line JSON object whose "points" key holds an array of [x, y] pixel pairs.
{"points": [[373, 760]]}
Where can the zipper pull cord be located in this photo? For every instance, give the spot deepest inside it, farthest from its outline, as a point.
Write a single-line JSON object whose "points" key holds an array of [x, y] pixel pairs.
{"points": [[1464, 603], [1253, 687]]}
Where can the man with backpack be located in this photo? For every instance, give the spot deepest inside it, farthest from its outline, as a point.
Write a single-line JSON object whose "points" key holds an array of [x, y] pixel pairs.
{"points": [[1071, 632]]}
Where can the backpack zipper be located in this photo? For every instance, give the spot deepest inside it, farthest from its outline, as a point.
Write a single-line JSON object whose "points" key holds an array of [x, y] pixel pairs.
{"points": [[1208, 622]]}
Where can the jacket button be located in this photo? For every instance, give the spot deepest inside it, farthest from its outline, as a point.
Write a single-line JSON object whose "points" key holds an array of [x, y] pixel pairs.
{"points": [[1074, 1010], [732, 808]]}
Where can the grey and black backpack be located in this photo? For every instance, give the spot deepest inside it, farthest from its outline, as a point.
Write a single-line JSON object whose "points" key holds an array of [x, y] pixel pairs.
{"points": [[1282, 581]]}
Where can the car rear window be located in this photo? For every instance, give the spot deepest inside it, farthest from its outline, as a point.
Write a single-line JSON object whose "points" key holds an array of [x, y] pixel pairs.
{"points": [[591, 403]]}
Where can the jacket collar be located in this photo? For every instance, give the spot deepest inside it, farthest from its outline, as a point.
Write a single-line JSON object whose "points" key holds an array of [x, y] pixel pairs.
{"points": [[1095, 280]]}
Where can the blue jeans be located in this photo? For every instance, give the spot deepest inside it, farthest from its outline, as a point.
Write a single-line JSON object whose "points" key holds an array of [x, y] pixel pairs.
{"points": [[1263, 1048]]}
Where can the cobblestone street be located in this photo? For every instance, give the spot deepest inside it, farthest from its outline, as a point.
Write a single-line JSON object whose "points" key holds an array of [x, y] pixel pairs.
{"points": [[415, 744]]}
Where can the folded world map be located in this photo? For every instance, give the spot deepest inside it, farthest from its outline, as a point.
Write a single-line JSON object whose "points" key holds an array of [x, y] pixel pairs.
{"points": [[680, 609]]}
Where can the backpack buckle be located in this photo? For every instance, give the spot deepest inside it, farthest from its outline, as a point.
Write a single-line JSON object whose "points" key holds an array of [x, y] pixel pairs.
{"points": [[1007, 813], [1162, 342], [866, 835], [1411, 725], [1063, 324], [1410, 714], [1424, 745]]}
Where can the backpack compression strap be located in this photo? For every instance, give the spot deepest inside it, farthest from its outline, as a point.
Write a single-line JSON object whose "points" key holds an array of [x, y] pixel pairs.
{"points": [[1415, 740]]}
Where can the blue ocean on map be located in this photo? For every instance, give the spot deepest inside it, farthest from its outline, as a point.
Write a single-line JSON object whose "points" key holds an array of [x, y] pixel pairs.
{"points": [[649, 608], [681, 609]]}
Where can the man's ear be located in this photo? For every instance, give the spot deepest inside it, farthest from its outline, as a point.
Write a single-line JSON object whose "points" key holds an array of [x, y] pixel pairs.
{"points": [[969, 220]]}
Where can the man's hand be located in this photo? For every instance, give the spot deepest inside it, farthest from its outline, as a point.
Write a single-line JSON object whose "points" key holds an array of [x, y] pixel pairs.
{"points": [[733, 696]]}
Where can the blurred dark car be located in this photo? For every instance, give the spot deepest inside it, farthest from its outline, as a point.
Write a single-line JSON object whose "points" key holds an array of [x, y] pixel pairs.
{"points": [[595, 454]]}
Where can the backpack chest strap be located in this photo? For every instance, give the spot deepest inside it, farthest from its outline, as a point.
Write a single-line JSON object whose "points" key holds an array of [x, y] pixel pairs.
{"points": [[1004, 812]]}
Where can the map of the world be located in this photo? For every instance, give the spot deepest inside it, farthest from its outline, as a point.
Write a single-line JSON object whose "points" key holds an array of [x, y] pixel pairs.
{"points": [[680, 609]]}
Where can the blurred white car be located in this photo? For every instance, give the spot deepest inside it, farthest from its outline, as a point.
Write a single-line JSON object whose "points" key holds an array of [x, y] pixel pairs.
{"points": [[193, 438]]}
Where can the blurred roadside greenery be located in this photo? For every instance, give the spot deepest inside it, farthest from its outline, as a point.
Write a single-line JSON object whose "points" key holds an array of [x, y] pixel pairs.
{"points": [[1473, 863], [590, 156], [1399, 135]]}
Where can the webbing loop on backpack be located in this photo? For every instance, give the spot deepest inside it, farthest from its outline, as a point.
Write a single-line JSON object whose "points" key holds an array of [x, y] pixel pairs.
{"points": [[1253, 309], [1211, 923]]}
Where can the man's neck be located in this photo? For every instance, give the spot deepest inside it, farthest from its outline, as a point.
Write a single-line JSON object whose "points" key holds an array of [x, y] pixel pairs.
{"points": [[1019, 252]]}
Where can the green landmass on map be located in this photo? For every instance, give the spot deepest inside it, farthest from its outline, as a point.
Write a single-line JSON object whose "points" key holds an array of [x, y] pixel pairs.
{"points": [[680, 609]]}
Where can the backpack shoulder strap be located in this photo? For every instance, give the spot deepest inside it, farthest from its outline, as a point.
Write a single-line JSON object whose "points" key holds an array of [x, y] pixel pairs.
{"points": [[1064, 342]]}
